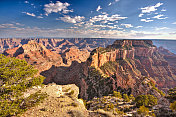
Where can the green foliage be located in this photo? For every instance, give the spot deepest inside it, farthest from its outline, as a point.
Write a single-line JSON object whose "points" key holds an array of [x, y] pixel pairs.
{"points": [[15, 77], [85, 102], [109, 107], [102, 50], [117, 94], [155, 88], [109, 66], [119, 112], [71, 92], [145, 100], [34, 99], [172, 94], [152, 100], [126, 98], [131, 97], [143, 110], [173, 106], [94, 72]]}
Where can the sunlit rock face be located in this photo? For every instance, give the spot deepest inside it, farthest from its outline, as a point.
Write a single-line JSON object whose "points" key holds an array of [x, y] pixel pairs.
{"points": [[35, 54]]}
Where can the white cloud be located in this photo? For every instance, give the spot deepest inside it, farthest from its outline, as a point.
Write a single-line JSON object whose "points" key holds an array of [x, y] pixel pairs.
{"points": [[162, 28], [160, 17], [127, 25], [117, 0], [149, 9], [26, 2], [172, 33], [30, 14], [110, 4], [57, 7], [98, 8], [39, 17], [105, 18], [140, 15], [145, 20], [75, 19], [104, 22], [18, 24], [163, 10], [138, 26], [174, 23], [6, 25]]}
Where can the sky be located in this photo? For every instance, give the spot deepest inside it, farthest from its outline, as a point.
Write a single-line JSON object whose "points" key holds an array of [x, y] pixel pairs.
{"points": [[123, 19]]}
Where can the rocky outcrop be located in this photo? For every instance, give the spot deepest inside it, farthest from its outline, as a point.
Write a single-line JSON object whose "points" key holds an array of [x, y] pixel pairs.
{"points": [[75, 55], [62, 101]]}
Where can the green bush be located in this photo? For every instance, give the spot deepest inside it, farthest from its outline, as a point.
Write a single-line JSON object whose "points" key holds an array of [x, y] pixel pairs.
{"points": [[126, 98], [155, 88], [117, 94], [71, 92], [131, 97], [109, 107], [145, 100], [34, 99], [173, 106], [143, 110], [15, 77], [172, 94]]}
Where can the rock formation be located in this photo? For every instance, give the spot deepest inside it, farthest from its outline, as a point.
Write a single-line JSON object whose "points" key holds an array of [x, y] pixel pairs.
{"points": [[36, 54], [57, 45], [74, 55], [127, 65]]}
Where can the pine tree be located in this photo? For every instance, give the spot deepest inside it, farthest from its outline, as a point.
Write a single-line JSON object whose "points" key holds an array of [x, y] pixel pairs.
{"points": [[15, 77]]}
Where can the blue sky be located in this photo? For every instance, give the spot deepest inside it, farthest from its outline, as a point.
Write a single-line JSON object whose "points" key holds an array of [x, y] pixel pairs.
{"points": [[137, 19]]}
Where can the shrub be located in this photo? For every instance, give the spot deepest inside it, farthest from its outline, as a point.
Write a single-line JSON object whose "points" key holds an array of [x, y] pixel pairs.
{"points": [[143, 110], [126, 98], [131, 97], [109, 107], [33, 99], [173, 106], [71, 92], [117, 94], [85, 102], [119, 112], [145, 100], [172, 94], [155, 88], [16, 76]]}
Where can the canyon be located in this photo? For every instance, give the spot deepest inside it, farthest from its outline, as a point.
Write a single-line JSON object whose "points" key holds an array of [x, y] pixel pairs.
{"points": [[96, 66]]}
